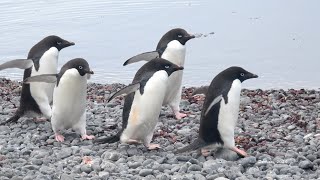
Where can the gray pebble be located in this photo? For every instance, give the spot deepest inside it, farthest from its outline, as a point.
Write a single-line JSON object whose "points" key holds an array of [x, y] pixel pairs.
{"points": [[306, 164], [194, 167], [248, 161], [86, 168], [145, 172]]}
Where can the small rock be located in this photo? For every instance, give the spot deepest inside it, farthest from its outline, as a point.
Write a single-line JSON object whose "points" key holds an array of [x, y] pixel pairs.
{"points": [[291, 127], [306, 164], [145, 172], [86, 168], [67, 177], [248, 161], [194, 167]]}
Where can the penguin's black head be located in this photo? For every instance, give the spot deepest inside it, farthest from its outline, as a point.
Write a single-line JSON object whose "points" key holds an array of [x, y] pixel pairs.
{"points": [[79, 64], [56, 41], [235, 72], [162, 64], [178, 34]]}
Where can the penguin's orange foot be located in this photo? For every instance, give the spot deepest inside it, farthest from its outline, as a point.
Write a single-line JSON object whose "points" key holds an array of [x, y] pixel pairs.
{"points": [[59, 137], [179, 115], [239, 151], [205, 152], [153, 146], [87, 137]]}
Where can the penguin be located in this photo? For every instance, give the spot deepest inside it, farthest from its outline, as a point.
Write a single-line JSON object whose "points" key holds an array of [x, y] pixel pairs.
{"points": [[172, 47], [69, 97], [143, 103], [42, 59], [220, 111]]}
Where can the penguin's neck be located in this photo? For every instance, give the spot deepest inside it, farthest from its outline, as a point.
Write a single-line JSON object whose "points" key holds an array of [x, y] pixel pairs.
{"points": [[175, 53], [48, 63]]}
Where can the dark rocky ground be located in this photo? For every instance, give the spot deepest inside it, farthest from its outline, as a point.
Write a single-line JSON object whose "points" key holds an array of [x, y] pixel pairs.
{"points": [[279, 129]]}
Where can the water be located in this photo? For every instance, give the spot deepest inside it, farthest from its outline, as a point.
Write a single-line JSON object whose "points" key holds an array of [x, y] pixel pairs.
{"points": [[278, 40]]}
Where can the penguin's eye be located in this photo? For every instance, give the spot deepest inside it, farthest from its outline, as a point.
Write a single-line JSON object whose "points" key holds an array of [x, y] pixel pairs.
{"points": [[80, 67], [167, 66], [179, 35], [59, 42], [242, 74]]}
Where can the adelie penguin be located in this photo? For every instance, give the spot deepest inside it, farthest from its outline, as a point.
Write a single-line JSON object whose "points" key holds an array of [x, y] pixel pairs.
{"points": [[172, 47], [143, 103], [220, 111], [69, 97], [42, 59]]}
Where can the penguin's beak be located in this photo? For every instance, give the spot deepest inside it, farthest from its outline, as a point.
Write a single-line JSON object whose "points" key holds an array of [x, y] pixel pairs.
{"points": [[70, 43], [254, 76], [90, 72], [190, 36], [178, 68]]}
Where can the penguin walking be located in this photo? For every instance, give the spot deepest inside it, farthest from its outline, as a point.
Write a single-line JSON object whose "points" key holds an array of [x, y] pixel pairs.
{"points": [[220, 111], [143, 103], [172, 47], [69, 97], [42, 59]]}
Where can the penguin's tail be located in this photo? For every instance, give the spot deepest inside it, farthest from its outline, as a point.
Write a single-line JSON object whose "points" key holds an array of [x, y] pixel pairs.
{"points": [[14, 118], [111, 139], [197, 144]]}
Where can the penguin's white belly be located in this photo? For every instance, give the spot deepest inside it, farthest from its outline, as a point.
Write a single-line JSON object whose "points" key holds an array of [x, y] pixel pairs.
{"points": [[228, 114], [69, 99], [43, 92], [175, 53], [146, 108]]}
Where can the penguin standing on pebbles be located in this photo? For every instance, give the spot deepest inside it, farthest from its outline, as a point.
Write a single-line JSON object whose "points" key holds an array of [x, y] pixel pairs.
{"points": [[42, 59], [220, 111], [143, 103], [69, 97], [172, 47]]}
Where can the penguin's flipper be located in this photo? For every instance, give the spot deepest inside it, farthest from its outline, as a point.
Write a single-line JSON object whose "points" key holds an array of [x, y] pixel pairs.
{"points": [[147, 56], [17, 63], [127, 90], [47, 78], [215, 101], [198, 143], [201, 90]]}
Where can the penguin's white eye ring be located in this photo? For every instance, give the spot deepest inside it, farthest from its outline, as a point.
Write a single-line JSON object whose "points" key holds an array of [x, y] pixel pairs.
{"points": [[59, 43], [167, 66], [80, 67], [179, 35], [241, 74]]}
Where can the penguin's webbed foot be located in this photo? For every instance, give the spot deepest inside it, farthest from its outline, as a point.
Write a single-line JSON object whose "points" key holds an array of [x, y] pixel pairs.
{"points": [[179, 115], [85, 136], [205, 152], [42, 119], [153, 146], [59, 137], [239, 151]]}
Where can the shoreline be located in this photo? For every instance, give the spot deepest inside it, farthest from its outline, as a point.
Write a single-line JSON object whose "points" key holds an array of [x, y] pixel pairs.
{"points": [[279, 129]]}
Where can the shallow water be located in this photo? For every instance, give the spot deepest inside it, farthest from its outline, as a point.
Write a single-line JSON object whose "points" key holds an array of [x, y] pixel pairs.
{"points": [[279, 41]]}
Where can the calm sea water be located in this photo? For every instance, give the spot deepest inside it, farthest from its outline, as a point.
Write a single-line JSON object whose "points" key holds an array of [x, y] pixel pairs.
{"points": [[278, 40]]}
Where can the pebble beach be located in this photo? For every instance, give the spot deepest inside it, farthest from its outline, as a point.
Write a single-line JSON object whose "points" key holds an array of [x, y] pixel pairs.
{"points": [[279, 129]]}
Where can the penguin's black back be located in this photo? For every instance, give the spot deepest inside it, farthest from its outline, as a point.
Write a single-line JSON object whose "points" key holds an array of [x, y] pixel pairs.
{"points": [[209, 132]]}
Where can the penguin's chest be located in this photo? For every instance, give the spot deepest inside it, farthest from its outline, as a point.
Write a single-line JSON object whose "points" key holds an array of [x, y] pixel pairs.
{"points": [[146, 108], [228, 113], [69, 100], [175, 53], [48, 64]]}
